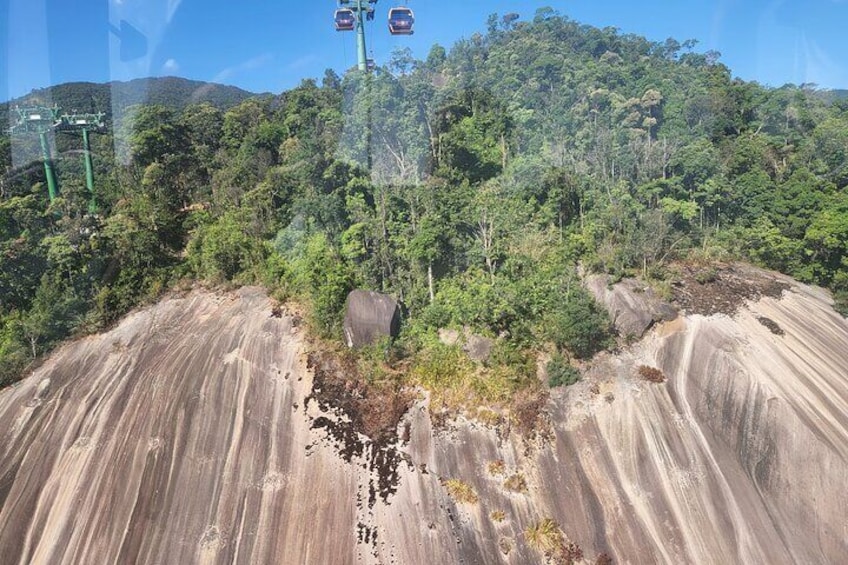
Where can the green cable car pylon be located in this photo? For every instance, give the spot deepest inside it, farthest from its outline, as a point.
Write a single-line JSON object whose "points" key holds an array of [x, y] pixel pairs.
{"points": [[40, 120], [352, 15], [84, 123]]}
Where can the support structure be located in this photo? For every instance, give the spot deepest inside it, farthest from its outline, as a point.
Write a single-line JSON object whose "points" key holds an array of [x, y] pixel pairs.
{"points": [[89, 170], [352, 17], [48, 166], [40, 120], [84, 123], [361, 53]]}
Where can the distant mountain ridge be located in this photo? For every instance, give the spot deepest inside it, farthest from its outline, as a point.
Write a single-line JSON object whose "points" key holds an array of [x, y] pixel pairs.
{"points": [[173, 92]]}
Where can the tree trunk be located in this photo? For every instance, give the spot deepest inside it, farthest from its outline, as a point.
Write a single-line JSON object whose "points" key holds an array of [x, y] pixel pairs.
{"points": [[430, 281]]}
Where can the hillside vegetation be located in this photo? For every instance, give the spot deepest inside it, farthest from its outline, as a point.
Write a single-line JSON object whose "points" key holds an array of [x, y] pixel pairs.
{"points": [[469, 185], [173, 92]]}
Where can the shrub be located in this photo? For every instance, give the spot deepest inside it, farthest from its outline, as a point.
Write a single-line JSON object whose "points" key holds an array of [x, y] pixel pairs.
{"points": [[840, 299], [578, 325], [603, 559], [706, 276], [544, 536], [498, 516], [528, 412], [516, 483], [457, 382], [221, 250], [511, 363], [318, 271], [489, 417], [561, 373], [497, 468], [572, 552], [460, 491], [441, 366], [651, 374]]}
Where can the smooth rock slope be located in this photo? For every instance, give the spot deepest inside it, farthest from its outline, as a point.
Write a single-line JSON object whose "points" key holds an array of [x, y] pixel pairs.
{"points": [[185, 435]]}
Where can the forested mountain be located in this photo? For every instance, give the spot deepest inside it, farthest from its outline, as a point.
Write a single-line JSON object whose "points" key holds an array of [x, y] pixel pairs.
{"points": [[470, 185], [172, 92]]}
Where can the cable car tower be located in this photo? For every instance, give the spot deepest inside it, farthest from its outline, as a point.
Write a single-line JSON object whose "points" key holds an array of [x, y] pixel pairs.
{"points": [[83, 124], [40, 120], [352, 15]]}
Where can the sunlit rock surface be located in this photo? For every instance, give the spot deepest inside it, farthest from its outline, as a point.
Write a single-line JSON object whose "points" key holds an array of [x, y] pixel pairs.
{"points": [[184, 436]]}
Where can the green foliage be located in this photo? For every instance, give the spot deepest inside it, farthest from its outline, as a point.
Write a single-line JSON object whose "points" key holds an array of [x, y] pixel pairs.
{"points": [[171, 92], [319, 274], [561, 372], [14, 353], [223, 249], [441, 367], [469, 185], [578, 325]]}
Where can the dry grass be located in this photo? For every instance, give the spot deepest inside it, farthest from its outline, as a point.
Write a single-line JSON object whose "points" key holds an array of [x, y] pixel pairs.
{"points": [[516, 483], [489, 417], [651, 374], [459, 385], [571, 552], [603, 559], [460, 491], [497, 468], [545, 536], [528, 411], [498, 516]]}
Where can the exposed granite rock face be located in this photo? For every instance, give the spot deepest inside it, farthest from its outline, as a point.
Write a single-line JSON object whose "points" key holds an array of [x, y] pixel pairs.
{"points": [[184, 435], [633, 307], [370, 316]]}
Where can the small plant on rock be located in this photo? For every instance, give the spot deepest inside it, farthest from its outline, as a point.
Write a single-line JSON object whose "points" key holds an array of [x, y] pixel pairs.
{"points": [[560, 372], [516, 483], [497, 468], [651, 374], [603, 559], [460, 491], [545, 537]]}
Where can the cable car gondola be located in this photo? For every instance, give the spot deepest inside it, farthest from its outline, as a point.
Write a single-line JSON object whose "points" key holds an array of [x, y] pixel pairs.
{"points": [[401, 21], [345, 19]]}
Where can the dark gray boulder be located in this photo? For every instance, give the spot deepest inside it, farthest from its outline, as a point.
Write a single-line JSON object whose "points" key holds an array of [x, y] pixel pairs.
{"points": [[370, 316]]}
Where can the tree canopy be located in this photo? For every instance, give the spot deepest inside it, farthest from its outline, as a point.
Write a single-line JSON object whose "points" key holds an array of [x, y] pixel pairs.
{"points": [[470, 185]]}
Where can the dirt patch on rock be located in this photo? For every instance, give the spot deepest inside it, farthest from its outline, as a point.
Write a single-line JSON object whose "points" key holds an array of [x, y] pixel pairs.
{"points": [[360, 418], [722, 288]]}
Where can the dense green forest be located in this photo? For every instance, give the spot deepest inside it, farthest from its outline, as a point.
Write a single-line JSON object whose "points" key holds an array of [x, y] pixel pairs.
{"points": [[470, 185], [173, 92]]}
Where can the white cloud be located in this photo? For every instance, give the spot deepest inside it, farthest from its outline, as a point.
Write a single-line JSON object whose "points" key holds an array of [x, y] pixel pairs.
{"points": [[170, 66]]}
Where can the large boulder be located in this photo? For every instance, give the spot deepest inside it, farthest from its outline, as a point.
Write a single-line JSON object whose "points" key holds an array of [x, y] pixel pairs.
{"points": [[633, 307], [370, 316]]}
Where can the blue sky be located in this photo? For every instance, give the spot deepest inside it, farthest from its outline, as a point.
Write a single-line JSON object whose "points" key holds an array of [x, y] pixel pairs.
{"points": [[264, 45]]}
